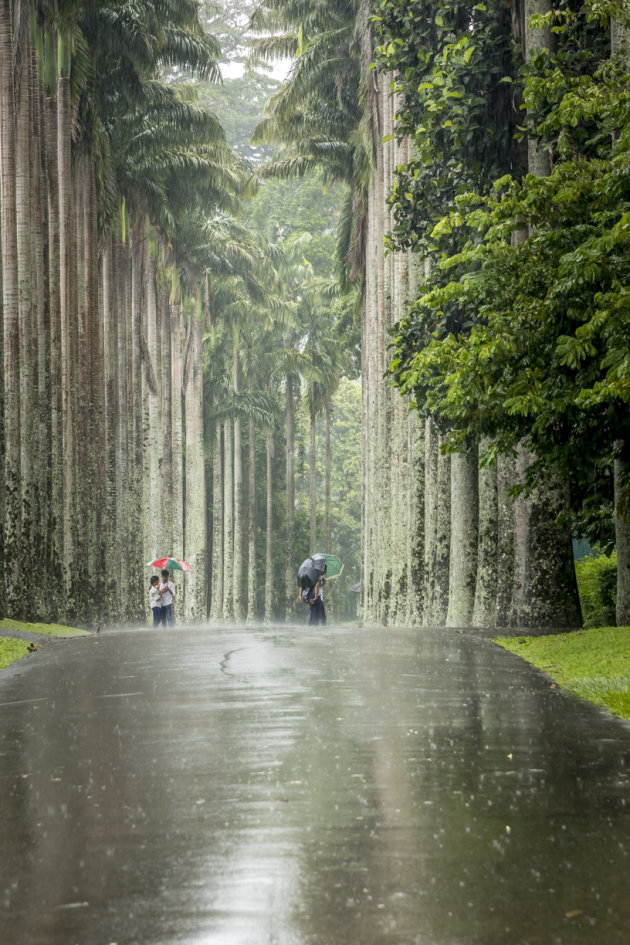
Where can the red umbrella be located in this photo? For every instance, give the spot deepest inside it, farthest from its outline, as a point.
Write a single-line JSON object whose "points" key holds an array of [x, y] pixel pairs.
{"points": [[169, 564]]}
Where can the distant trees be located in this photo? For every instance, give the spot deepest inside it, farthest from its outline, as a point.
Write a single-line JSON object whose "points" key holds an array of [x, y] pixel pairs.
{"points": [[475, 166], [153, 345], [104, 168]]}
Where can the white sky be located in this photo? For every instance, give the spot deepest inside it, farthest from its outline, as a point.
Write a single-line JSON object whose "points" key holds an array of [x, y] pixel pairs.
{"points": [[279, 70]]}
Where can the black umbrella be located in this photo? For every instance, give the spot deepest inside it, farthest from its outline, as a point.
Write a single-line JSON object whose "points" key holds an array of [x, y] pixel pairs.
{"points": [[311, 570]]}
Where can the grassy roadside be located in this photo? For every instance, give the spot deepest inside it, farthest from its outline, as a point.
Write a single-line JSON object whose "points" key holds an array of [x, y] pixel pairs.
{"points": [[594, 664], [14, 648]]}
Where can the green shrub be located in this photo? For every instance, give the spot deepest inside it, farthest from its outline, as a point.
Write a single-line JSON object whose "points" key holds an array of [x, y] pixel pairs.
{"points": [[597, 586]]}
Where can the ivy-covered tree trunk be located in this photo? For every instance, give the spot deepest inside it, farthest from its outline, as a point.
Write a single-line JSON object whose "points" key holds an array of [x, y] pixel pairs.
{"points": [[442, 547], [416, 489], [430, 519], [484, 608], [463, 540], [622, 536], [545, 588], [415, 527], [506, 546], [620, 44], [620, 40]]}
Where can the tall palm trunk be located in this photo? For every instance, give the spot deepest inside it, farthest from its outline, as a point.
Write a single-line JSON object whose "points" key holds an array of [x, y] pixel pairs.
{"points": [[27, 224], [97, 549], [252, 583], [176, 421], [269, 531], [67, 257], [195, 505], [41, 455], [328, 475], [136, 443], [166, 440], [122, 429], [237, 572], [10, 309], [228, 521], [83, 431], [216, 600], [151, 406], [370, 588], [289, 584], [112, 415], [312, 473], [54, 310]]}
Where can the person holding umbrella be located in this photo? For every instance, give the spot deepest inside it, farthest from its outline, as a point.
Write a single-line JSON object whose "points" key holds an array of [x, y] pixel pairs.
{"points": [[155, 600], [167, 592], [311, 580], [318, 611]]}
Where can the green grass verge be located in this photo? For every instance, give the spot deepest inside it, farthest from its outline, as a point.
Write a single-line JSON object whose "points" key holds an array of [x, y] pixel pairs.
{"points": [[44, 629], [12, 649], [594, 664]]}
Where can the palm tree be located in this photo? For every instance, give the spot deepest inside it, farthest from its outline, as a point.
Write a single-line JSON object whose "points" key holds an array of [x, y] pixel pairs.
{"points": [[11, 504]]}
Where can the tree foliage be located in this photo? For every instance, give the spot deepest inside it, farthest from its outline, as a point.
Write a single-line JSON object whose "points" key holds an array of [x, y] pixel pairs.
{"points": [[520, 333]]}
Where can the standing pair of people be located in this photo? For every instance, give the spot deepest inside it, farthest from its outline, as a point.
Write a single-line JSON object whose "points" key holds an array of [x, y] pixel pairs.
{"points": [[161, 596]]}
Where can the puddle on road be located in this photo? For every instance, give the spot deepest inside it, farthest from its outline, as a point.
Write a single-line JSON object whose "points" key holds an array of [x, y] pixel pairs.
{"points": [[335, 788]]}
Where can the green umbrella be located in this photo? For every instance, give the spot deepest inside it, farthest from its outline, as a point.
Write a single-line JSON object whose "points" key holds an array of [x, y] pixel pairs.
{"points": [[334, 567]]}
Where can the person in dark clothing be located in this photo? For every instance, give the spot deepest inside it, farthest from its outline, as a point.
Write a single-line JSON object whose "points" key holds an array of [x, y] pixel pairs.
{"points": [[316, 601]]}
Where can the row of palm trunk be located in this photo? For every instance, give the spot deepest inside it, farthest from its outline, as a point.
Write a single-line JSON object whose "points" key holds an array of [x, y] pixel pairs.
{"points": [[103, 437], [443, 542], [102, 380]]}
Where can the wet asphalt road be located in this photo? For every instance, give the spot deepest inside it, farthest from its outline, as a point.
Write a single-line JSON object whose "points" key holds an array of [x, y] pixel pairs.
{"points": [[296, 786]]}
